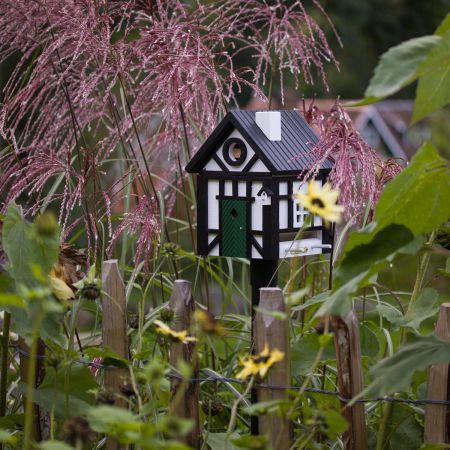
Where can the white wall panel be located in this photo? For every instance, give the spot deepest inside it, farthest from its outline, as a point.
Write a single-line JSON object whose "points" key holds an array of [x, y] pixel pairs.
{"points": [[283, 211], [228, 190], [257, 208], [213, 204]]}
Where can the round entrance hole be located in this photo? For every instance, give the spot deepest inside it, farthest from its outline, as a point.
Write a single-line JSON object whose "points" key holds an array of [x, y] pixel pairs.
{"points": [[234, 151]]}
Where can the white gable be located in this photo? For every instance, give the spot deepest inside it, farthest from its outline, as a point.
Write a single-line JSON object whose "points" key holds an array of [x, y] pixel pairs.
{"points": [[212, 165]]}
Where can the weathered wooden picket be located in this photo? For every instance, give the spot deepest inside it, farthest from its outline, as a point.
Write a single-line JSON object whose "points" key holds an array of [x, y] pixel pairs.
{"points": [[185, 394]]}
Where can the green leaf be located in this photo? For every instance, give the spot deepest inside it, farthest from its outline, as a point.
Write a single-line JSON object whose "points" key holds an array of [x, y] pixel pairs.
{"points": [[394, 374], [370, 345], [360, 266], [6, 438], [398, 67], [425, 306], [219, 441], [122, 425], [336, 424], [391, 314], [402, 429], [444, 26], [418, 196], [79, 386], [109, 357], [7, 299], [251, 442], [26, 248], [304, 351], [269, 406], [433, 89]]}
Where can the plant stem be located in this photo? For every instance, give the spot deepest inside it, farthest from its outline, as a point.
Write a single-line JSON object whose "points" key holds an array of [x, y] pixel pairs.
{"points": [[421, 271], [4, 366], [236, 403], [387, 409], [31, 381]]}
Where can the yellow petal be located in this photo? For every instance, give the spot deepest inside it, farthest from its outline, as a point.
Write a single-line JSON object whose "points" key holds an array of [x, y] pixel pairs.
{"points": [[60, 289]]}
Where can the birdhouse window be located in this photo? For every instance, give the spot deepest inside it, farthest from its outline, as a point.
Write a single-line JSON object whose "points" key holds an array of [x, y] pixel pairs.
{"points": [[234, 151], [300, 214]]}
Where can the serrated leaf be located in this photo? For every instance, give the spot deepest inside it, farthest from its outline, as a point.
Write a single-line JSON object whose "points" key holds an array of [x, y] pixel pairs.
{"points": [[433, 89], [398, 67], [394, 374]]}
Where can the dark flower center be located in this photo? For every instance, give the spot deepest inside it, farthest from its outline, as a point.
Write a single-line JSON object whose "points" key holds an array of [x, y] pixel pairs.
{"points": [[318, 202], [261, 359]]}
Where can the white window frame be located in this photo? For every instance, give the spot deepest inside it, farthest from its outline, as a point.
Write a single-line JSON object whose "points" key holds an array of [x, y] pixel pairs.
{"points": [[300, 214]]}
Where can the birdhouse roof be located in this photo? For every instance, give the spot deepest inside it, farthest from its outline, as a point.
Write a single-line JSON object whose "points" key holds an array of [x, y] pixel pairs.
{"points": [[289, 155]]}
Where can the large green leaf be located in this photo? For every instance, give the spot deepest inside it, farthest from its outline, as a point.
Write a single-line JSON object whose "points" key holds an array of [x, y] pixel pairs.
{"points": [[78, 386], [398, 67], [417, 198], [394, 374], [360, 265], [433, 89], [27, 248]]}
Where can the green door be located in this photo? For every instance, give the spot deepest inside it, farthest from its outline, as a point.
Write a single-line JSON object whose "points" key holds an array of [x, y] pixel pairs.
{"points": [[234, 228]]}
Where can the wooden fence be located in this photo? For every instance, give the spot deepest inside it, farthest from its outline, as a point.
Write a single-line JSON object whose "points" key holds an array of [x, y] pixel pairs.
{"points": [[275, 332]]}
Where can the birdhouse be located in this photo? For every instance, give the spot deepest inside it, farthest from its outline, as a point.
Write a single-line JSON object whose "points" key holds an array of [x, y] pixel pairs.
{"points": [[248, 171]]}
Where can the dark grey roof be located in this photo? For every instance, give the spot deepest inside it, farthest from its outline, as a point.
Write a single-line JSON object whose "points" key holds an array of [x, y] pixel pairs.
{"points": [[288, 155]]}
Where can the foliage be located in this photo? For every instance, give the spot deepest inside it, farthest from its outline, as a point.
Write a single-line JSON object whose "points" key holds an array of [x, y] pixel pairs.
{"points": [[100, 114]]}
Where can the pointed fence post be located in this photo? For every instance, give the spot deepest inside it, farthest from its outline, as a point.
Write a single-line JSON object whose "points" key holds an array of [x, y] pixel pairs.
{"points": [[437, 417], [114, 332], [350, 378], [275, 333], [185, 395]]}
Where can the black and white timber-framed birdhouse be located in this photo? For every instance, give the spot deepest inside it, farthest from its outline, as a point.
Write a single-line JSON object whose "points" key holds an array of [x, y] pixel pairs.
{"points": [[248, 171]]}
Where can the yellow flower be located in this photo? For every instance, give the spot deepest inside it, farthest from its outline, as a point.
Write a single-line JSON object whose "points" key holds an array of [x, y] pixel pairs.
{"points": [[165, 330], [321, 200], [59, 287], [259, 364], [208, 323]]}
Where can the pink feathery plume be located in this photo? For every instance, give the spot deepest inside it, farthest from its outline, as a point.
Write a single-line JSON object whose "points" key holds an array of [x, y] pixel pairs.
{"points": [[358, 171]]}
